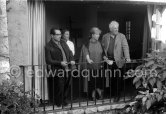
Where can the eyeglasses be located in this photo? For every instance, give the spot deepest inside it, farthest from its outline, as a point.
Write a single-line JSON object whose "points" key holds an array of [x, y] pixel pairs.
{"points": [[58, 34]]}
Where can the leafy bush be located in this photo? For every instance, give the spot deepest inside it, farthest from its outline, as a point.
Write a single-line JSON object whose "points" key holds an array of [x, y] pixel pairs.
{"points": [[13, 99], [150, 81]]}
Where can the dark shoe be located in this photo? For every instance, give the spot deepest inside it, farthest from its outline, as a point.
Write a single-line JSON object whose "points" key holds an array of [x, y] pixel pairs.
{"points": [[93, 95], [96, 94], [65, 103], [100, 94], [116, 99], [58, 105]]}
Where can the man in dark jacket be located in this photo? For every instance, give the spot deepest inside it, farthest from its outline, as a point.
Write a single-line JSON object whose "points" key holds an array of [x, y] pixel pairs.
{"points": [[60, 58]]}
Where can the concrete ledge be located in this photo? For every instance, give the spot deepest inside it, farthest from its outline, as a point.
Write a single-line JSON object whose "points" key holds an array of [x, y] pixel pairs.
{"points": [[118, 106], [62, 112], [95, 109], [90, 110], [104, 108], [78, 111]]}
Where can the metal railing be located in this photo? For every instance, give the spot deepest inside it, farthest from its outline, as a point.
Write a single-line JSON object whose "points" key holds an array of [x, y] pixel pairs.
{"points": [[35, 77]]}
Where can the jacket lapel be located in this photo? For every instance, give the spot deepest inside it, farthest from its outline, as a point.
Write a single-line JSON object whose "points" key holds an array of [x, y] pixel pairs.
{"points": [[108, 42], [53, 44], [116, 41]]}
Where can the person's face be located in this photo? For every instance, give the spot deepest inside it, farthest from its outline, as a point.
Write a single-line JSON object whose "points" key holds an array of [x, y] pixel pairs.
{"points": [[114, 29], [57, 35], [96, 35], [66, 35]]}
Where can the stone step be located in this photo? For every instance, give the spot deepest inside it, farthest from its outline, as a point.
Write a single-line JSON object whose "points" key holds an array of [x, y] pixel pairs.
{"points": [[91, 109]]}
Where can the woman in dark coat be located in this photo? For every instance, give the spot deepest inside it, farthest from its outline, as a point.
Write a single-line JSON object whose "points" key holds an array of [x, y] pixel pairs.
{"points": [[91, 58]]}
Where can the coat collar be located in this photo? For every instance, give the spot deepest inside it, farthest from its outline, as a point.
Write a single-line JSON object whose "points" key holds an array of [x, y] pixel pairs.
{"points": [[111, 35], [52, 43]]}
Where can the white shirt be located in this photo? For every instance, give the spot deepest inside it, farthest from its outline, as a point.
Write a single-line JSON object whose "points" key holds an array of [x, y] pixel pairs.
{"points": [[71, 46]]}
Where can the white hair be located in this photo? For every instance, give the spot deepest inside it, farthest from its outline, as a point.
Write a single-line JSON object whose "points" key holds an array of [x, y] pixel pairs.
{"points": [[113, 23]]}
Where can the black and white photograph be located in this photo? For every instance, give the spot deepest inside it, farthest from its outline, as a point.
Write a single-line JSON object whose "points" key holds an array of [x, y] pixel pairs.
{"points": [[82, 56]]}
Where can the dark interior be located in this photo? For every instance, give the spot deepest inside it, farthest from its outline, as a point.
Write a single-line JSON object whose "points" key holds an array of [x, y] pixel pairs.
{"points": [[79, 17]]}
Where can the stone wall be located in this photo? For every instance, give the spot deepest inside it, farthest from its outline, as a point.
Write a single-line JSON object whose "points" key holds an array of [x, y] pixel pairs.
{"points": [[4, 47], [17, 14]]}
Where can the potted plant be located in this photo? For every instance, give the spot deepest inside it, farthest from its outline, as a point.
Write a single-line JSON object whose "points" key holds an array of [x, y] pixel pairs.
{"points": [[150, 81]]}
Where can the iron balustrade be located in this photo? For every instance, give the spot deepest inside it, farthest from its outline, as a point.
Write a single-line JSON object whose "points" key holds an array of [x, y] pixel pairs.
{"points": [[77, 98]]}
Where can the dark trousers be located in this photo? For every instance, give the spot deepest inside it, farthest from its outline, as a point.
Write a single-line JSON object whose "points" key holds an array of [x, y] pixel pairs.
{"points": [[58, 88], [95, 81], [116, 80]]}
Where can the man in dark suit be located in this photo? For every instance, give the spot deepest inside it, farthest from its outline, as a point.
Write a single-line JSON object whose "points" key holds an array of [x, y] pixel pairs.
{"points": [[60, 58]]}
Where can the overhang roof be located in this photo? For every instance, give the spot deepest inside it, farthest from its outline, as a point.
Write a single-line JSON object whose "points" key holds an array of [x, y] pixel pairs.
{"points": [[158, 2]]}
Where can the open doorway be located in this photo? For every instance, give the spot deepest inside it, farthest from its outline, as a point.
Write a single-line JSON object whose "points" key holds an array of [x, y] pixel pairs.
{"points": [[79, 17]]}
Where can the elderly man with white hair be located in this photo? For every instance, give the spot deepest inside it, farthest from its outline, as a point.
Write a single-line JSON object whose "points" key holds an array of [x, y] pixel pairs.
{"points": [[116, 49]]}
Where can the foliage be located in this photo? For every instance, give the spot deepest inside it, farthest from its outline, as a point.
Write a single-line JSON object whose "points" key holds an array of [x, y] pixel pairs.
{"points": [[150, 81], [13, 98]]}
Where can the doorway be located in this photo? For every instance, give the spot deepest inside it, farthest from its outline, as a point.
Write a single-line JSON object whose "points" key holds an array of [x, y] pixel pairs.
{"points": [[79, 17]]}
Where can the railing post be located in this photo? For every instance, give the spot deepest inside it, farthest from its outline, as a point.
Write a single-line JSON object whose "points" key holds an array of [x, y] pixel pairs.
{"points": [[53, 81], [23, 71], [117, 78], [63, 85], [44, 69], [110, 78], [124, 84], [132, 66], [87, 91], [95, 85], [103, 77], [79, 87], [33, 85], [71, 76]]}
